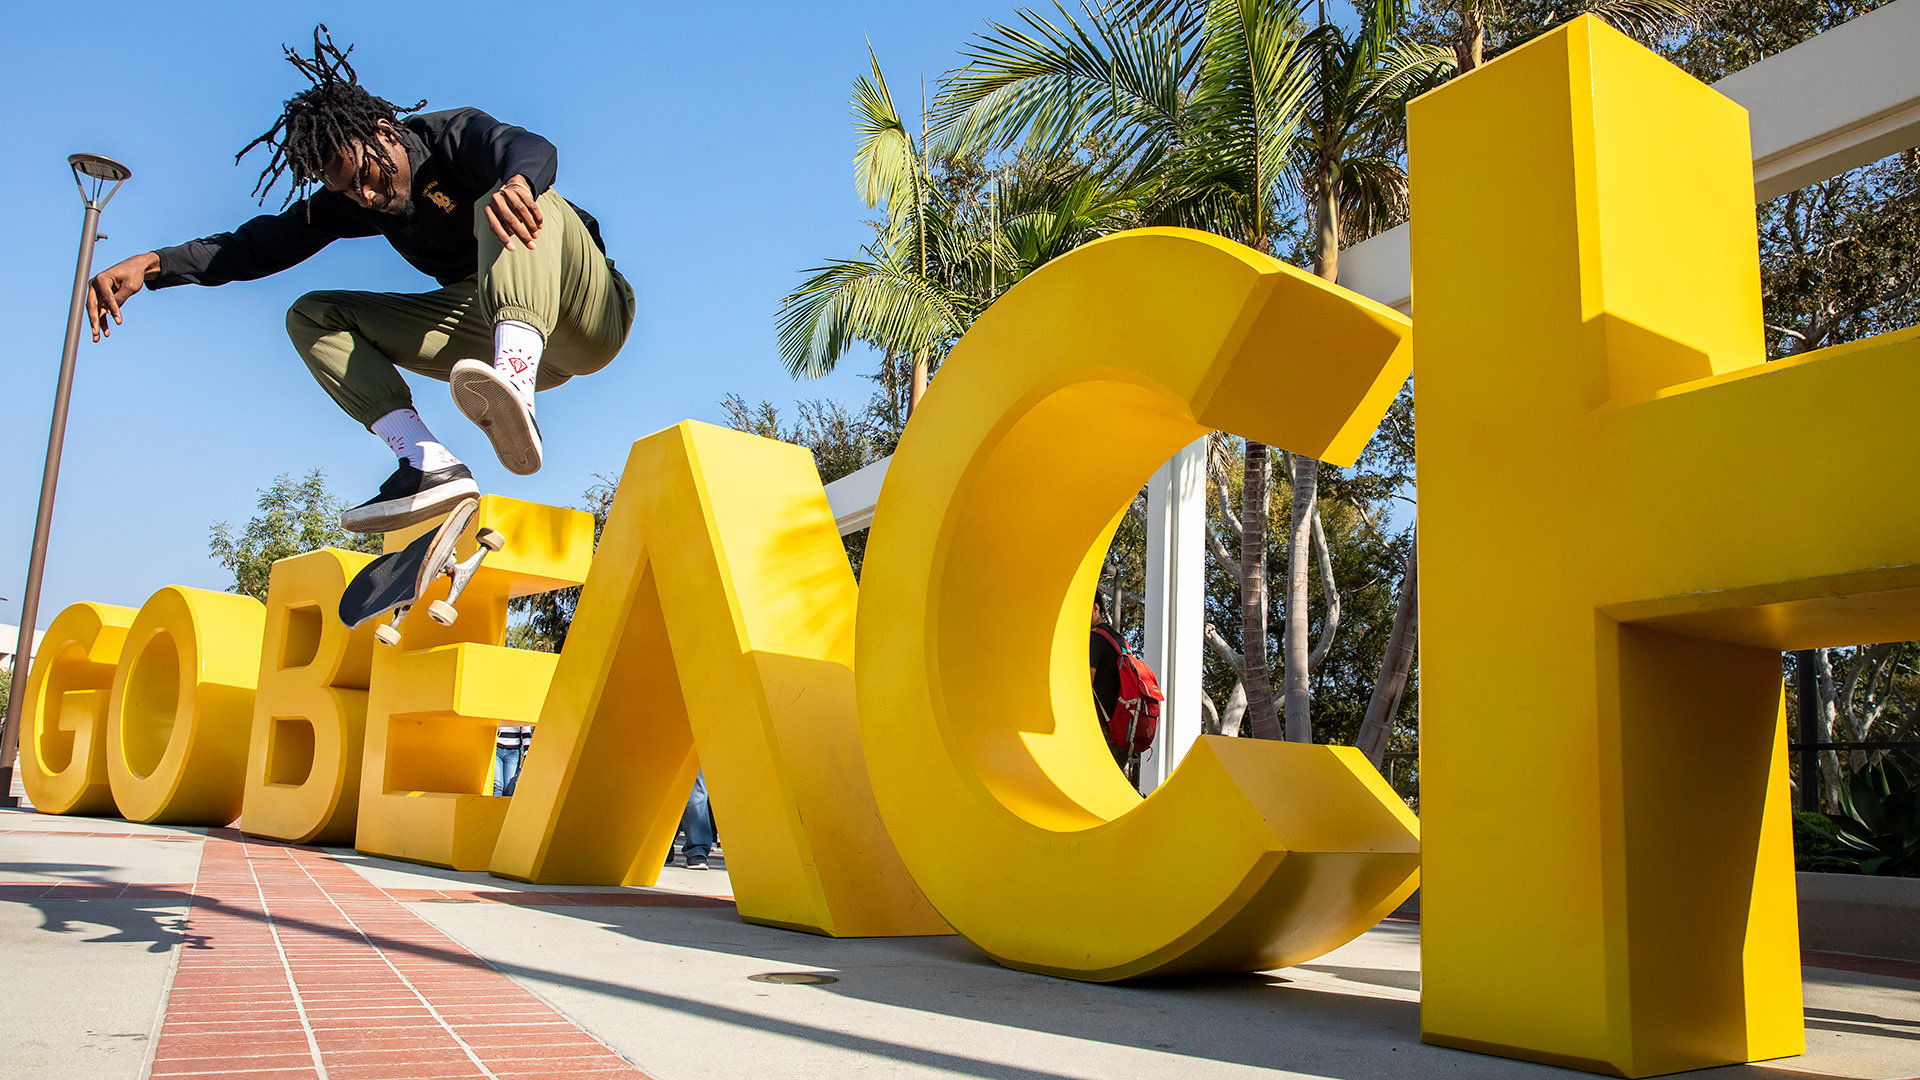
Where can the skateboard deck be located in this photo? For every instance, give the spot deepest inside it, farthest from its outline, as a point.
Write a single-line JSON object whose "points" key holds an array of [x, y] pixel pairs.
{"points": [[396, 581]]}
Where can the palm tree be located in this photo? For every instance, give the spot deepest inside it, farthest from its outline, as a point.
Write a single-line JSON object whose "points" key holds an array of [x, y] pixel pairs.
{"points": [[1197, 105], [894, 296], [943, 251], [1344, 168]]}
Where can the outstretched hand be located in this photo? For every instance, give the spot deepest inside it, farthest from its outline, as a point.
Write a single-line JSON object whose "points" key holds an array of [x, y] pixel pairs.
{"points": [[111, 287], [513, 212]]}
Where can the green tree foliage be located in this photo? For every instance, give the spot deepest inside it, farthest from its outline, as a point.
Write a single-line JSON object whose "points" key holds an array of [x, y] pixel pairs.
{"points": [[1836, 258], [1733, 36], [295, 516], [1280, 123], [954, 233], [1360, 508]]}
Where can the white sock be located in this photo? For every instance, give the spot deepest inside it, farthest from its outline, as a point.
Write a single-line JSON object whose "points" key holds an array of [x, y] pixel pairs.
{"points": [[412, 442], [516, 356]]}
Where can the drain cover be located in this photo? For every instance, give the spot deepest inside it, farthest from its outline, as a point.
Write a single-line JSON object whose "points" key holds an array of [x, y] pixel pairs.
{"points": [[445, 900], [793, 978]]}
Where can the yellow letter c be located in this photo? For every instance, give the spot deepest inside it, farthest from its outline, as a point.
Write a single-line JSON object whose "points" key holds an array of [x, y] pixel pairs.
{"points": [[972, 631]]}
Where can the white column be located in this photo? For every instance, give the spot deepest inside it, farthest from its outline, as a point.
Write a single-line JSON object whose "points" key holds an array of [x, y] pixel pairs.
{"points": [[1176, 604]]}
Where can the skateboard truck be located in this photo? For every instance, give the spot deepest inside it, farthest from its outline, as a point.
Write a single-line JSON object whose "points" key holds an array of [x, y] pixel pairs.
{"points": [[396, 581], [461, 571]]}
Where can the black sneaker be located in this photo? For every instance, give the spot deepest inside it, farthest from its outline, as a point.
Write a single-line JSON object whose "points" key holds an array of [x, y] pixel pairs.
{"points": [[696, 862], [410, 496]]}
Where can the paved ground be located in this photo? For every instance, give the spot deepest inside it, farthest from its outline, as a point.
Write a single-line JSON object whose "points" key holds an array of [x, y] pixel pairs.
{"points": [[137, 951]]}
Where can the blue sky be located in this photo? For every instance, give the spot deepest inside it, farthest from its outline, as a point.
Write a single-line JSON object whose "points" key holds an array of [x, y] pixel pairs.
{"points": [[715, 149]]}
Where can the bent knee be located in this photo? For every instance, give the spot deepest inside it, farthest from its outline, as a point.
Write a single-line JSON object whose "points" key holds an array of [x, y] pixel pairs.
{"points": [[311, 312]]}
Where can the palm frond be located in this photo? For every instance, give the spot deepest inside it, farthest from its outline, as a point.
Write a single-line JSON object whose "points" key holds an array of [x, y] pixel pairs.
{"points": [[881, 304], [884, 162], [1651, 20], [1405, 70], [1373, 194], [1045, 84], [1254, 86], [1647, 21]]}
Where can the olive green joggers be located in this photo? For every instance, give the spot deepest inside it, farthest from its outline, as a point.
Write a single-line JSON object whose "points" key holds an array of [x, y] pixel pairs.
{"points": [[565, 287]]}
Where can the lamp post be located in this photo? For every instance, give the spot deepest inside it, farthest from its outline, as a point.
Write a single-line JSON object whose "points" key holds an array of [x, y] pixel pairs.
{"points": [[101, 171]]}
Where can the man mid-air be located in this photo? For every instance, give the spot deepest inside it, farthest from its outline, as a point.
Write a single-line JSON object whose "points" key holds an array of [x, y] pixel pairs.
{"points": [[524, 276]]}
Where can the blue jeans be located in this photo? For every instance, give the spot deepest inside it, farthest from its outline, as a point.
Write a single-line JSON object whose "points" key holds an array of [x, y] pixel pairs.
{"points": [[506, 768], [697, 820]]}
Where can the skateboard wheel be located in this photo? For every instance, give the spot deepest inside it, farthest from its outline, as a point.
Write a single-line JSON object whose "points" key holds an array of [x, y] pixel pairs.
{"points": [[387, 634], [442, 612], [490, 539]]}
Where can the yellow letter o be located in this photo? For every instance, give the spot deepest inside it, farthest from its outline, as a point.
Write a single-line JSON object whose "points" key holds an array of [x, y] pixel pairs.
{"points": [[182, 704]]}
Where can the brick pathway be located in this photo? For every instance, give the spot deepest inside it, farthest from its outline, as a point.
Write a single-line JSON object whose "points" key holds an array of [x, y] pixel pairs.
{"points": [[95, 834], [296, 968]]}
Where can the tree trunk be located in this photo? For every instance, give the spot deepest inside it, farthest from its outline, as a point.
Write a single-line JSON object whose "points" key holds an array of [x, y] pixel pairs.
{"points": [[1329, 593], [1326, 244], [1298, 666], [919, 382], [1831, 773], [890, 380], [1236, 713], [1469, 39], [1253, 592], [1377, 729], [1229, 721]]}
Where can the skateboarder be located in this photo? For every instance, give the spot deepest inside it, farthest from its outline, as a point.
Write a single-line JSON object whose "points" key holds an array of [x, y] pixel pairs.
{"points": [[527, 297]]}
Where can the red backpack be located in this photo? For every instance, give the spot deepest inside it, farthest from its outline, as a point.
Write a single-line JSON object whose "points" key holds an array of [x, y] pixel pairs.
{"points": [[1136, 715]]}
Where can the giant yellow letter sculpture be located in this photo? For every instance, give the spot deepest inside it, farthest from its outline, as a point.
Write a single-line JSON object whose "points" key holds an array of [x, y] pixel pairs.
{"points": [[1603, 452], [720, 610], [310, 709], [974, 703], [180, 707], [437, 699], [63, 756]]}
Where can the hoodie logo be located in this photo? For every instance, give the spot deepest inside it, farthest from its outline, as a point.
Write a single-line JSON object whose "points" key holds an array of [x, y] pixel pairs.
{"points": [[437, 197]]}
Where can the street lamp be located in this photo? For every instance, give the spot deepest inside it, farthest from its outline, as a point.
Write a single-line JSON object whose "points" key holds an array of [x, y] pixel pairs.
{"points": [[100, 171]]}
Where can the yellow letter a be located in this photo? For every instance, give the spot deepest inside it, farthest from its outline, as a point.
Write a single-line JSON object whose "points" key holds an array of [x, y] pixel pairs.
{"points": [[719, 610]]}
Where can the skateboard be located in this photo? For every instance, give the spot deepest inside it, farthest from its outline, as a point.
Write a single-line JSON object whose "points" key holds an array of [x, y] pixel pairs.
{"points": [[396, 581]]}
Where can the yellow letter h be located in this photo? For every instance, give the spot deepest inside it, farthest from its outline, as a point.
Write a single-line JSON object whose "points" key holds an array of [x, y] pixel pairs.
{"points": [[1612, 560]]}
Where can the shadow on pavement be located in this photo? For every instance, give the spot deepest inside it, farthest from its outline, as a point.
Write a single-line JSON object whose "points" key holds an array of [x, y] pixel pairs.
{"points": [[151, 915], [1258, 1020], [1853, 1023]]}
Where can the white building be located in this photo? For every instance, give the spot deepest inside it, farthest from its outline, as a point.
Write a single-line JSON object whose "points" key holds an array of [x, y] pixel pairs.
{"points": [[9, 642]]}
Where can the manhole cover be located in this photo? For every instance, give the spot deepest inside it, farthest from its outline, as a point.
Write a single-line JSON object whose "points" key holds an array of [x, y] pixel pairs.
{"points": [[793, 978]]}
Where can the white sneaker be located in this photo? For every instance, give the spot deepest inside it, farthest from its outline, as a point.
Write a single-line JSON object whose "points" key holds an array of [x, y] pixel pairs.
{"points": [[490, 401]]}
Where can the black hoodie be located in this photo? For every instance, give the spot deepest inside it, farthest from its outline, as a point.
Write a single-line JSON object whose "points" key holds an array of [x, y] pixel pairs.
{"points": [[458, 156]]}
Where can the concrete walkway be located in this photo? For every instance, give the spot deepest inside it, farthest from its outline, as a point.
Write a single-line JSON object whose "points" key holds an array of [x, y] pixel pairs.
{"points": [[134, 951]]}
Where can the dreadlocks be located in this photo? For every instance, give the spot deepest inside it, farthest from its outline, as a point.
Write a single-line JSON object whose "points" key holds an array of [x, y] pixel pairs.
{"points": [[317, 123]]}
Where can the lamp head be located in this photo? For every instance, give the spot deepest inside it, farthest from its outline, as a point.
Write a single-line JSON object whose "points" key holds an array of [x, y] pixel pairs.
{"points": [[99, 167], [102, 170]]}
